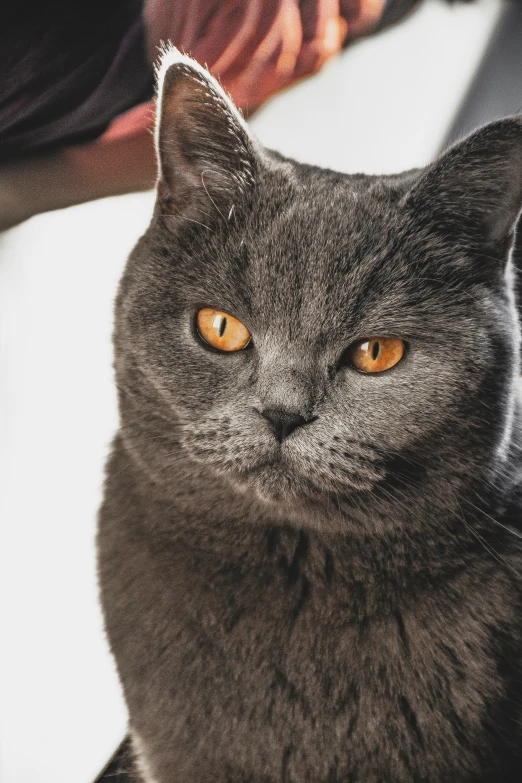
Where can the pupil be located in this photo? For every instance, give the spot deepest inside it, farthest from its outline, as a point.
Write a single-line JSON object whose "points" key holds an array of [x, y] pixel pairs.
{"points": [[222, 327], [375, 350]]}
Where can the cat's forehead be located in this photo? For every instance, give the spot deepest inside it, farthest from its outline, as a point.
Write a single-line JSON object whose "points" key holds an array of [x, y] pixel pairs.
{"points": [[317, 259], [320, 251], [319, 219]]}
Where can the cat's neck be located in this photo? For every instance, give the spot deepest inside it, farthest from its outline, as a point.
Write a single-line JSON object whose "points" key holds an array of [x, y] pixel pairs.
{"points": [[202, 524]]}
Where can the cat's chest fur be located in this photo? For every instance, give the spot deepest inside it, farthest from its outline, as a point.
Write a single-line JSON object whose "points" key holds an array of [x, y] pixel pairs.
{"points": [[282, 660]]}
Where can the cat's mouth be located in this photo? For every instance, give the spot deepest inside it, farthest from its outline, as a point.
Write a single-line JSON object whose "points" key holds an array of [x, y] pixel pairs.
{"points": [[303, 469]]}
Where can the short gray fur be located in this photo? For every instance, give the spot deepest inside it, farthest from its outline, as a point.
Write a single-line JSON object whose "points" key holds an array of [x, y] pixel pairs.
{"points": [[343, 606]]}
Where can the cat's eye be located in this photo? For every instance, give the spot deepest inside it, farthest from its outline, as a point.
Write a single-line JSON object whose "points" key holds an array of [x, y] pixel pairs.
{"points": [[221, 330], [376, 354]]}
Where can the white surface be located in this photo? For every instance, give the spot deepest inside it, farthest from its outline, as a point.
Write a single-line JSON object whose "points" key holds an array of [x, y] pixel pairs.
{"points": [[61, 711], [383, 105]]}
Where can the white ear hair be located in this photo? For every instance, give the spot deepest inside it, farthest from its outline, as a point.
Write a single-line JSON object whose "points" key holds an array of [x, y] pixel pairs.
{"points": [[169, 56]]}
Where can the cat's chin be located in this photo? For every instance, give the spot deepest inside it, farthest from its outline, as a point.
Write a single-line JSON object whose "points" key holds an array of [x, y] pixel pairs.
{"points": [[295, 500], [278, 484], [273, 483]]}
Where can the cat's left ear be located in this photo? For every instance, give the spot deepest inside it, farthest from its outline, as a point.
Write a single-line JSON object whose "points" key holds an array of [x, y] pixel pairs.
{"points": [[474, 191], [206, 156]]}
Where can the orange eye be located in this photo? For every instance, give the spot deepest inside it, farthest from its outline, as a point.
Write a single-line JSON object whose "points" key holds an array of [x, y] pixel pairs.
{"points": [[221, 330], [377, 354]]}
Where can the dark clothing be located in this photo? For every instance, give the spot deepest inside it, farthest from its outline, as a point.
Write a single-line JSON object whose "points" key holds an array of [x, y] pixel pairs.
{"points": [[68, 70]]}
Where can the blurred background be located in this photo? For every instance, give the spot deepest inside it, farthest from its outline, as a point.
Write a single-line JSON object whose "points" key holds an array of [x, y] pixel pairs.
{"points": [[386, 102]]}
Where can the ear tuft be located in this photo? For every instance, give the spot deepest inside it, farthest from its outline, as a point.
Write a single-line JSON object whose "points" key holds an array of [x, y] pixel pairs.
{"points": [[206, 156], [169, 56]]}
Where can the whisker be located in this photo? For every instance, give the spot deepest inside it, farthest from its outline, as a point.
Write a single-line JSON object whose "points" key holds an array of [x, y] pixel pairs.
{"points": [[492, 519], [491, 551], [191, 220], [208, 194]]}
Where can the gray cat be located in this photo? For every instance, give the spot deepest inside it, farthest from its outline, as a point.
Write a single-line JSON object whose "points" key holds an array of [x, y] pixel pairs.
{"points": [[310, 545]]}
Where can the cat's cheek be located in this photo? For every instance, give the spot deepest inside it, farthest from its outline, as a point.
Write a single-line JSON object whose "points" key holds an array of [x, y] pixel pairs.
{"points": [[227, 442], [395, 409]]}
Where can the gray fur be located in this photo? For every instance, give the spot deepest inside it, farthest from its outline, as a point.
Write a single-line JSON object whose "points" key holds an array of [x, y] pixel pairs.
{"points": [[343, 607]]}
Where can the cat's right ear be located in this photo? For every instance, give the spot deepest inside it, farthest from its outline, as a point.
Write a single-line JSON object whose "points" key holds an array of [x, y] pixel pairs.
{"points": [[207, 159]]}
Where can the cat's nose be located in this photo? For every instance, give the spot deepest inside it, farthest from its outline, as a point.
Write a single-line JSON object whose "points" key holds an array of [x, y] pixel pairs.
{"points": [[283, 422]]}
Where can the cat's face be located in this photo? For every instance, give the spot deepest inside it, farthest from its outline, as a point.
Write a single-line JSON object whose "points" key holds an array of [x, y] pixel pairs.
{"points": [[315, 334]]}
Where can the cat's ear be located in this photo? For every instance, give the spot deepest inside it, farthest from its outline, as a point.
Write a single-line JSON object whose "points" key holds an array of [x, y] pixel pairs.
{"points": [[206, 156], [474, 191]]}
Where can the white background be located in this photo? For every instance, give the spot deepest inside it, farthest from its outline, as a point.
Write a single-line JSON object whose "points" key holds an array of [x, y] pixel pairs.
{"points": [[382, 106]]}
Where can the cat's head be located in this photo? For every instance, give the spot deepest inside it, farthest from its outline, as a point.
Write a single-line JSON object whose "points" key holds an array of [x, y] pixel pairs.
{"points": [[313, 336]]}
